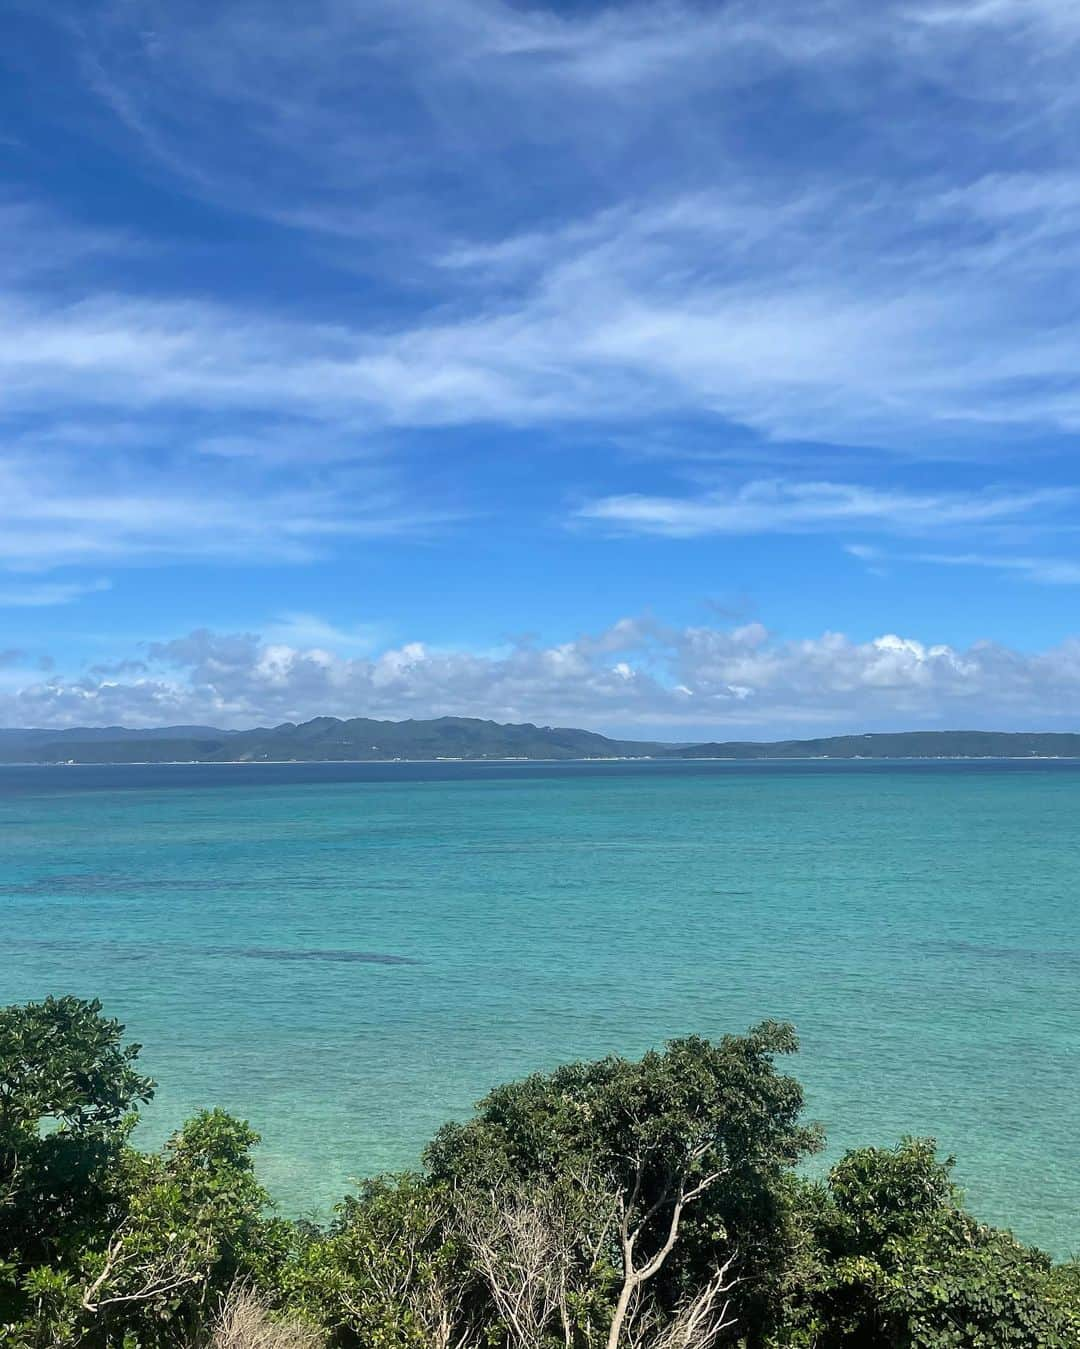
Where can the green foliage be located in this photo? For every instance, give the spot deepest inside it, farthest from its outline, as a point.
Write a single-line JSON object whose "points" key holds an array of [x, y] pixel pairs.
{"points": [[639, 1133], [389, 1268], [696, 1106], [516, 1234], [185, 1227], [67, 1089], [957, 1284], [883, 1194], [327, 739], [896, 1262], [63, 1060], [98, 1241], [193, 1225]]}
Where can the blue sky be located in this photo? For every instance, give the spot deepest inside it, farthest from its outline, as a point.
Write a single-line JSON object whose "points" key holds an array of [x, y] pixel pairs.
{"points": [[669, 368]]}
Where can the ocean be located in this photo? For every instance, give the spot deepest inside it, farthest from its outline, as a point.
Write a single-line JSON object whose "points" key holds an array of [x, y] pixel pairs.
{"points": [[347, 955]]}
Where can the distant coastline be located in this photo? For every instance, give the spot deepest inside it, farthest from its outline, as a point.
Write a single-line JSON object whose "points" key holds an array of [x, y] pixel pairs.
{"points": [[494, 762], [361, 740]]}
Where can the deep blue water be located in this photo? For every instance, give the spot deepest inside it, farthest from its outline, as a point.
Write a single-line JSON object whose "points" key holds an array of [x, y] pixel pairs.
{"points": [[349, 954]]}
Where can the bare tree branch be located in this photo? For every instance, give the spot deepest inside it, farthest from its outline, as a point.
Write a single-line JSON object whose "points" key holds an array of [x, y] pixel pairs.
{"points": [[701, 1321], [525, 1250], [635, 1276], [177, 1266]]}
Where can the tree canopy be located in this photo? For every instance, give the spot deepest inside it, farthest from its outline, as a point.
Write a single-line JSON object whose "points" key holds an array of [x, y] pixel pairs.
{"points": [[659, 1203]]}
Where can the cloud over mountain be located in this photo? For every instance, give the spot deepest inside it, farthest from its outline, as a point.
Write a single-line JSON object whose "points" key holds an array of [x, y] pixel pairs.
{"points": [[638, 673]]}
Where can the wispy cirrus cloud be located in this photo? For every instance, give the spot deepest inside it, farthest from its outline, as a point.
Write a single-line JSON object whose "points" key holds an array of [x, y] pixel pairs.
{"points": [[821, 316], [814, 227], [1046, 570], [778, 506], [814, 295], [465, 78], [47, 594], [637, 322], [55, 511], [304, 631], [1053, 571]]}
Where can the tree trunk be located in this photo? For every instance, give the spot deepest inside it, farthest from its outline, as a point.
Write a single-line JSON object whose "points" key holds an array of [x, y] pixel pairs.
{"points": [[618, 1317]]}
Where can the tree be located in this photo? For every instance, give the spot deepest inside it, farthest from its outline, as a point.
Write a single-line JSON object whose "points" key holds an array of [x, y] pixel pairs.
{"points": [[525, 1247], [99, 1240], [62, 1059], [193, 1226], [685, 1152], [898, 1263], [68, 1093], [187, 1225], [610, 1205], [390, 1273]]}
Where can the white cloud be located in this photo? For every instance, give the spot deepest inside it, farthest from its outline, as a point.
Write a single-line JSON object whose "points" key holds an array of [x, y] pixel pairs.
{"points": [[804, 297], [775, 506], [44, 594], [585, 225], [56, 511], [1053, 571], [481, 75], [807, 318], [701, 681], [309, 631], [1045, 570]]}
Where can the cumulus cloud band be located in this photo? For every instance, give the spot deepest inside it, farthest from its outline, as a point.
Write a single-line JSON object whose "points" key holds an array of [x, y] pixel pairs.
{"points": [[699, 681]]}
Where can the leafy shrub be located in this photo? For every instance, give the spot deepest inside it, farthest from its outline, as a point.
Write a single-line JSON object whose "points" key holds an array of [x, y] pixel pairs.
{"points": [[611, 1205]]}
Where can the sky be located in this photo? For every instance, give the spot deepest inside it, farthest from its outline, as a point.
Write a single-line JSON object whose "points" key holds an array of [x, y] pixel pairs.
{"points": [[674, 369]]}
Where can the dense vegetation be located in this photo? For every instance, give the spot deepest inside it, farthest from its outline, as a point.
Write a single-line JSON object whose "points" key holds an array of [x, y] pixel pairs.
{"points": [[323, 739], [326, 739], [900, 745], [617, 1205]]}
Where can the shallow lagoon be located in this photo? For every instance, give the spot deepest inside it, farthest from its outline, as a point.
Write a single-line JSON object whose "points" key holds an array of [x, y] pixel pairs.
{"points": [[350, 954]]}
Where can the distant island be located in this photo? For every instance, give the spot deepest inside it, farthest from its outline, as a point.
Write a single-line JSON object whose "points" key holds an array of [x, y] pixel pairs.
{"points": [[329, 739]]}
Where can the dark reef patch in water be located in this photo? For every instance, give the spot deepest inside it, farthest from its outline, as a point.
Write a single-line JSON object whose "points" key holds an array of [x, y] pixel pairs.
{"points": [[342, 957], [111, 884], [1064, 959], [141, 950]]}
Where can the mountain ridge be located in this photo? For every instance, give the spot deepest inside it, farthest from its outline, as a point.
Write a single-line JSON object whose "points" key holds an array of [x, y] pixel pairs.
{"points": [[363, 739]]}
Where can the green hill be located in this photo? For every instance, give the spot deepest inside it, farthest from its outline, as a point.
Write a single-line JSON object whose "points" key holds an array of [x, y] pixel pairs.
{"points": [[899, 745], [323, 739], [328, 739]]}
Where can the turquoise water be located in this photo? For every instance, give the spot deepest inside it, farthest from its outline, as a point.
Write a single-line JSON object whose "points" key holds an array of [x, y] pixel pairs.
{"points": [[918, 922]]}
